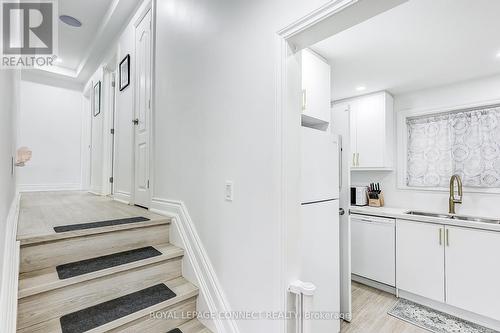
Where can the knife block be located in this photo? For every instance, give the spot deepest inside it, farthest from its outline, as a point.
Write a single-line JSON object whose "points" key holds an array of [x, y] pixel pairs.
{"points": [[377, 202]]}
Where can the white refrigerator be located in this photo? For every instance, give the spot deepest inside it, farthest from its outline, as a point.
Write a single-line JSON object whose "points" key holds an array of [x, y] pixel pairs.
{"points": [[320, 249]]}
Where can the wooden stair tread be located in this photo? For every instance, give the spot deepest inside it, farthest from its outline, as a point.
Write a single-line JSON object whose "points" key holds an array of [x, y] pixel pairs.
{"points": [[29, 239], [184, 290], [194, 326], [32, 283]]}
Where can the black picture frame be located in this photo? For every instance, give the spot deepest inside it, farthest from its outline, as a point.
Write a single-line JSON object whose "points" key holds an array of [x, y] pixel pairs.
{"points": [[97, 98], [124, 77]]}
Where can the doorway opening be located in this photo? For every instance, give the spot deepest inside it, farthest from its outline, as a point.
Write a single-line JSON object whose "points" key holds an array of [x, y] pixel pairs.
{"points": [[304, 110]]}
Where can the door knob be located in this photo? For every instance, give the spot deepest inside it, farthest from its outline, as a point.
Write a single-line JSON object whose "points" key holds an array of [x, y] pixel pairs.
{"points": [[135, 121]]}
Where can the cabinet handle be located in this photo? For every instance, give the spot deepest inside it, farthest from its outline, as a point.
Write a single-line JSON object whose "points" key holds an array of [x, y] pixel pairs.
{"points": [[447, 237], [353, 159], [357, 159], [440, 236], [304, 99]]}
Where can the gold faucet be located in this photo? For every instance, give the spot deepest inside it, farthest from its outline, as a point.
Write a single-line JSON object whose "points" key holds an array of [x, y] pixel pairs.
{"points": [[454, 200]]}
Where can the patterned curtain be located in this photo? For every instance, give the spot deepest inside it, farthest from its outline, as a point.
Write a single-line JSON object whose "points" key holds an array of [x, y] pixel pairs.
{"points": [[466, 143]]}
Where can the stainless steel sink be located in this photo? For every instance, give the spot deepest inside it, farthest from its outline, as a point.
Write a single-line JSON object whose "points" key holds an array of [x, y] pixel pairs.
{"points": [[454, 217], [476, 219], [443, 216]]}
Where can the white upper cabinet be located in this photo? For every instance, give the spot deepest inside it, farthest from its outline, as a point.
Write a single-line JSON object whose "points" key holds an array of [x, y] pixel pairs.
{"points": [[372, 131], [316, 85]]}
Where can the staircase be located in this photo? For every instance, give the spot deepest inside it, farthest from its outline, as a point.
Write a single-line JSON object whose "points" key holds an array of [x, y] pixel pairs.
{"points": [[105, 278]]}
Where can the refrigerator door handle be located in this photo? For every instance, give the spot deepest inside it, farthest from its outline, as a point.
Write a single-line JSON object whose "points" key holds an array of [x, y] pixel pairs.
{"points": [[340, 162]]}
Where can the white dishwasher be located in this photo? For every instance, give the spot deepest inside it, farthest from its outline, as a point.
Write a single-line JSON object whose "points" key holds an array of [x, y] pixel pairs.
{"points": [[373, 248]]}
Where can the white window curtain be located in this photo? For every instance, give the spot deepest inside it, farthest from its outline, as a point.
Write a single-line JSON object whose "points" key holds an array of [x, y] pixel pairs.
{"points": [[464, 142]]}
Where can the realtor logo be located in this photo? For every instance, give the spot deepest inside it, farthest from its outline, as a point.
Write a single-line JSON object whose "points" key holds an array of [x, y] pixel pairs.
{"points": [[29, 33]]}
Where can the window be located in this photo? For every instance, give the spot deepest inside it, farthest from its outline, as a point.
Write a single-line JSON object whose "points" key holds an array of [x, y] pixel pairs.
{"points": [[463, 142]]}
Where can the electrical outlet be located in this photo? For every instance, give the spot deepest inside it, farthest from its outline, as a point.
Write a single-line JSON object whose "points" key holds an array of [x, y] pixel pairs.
{"points": [[229, 195]]}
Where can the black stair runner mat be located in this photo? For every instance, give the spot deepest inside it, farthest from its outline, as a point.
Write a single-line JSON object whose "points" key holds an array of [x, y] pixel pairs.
{"points": [[98, 315], [175, 330], [73, 269], [100, 224]]}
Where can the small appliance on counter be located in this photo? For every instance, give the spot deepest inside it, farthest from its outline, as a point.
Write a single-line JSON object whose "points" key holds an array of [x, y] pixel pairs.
{"points": [[375, 195], [359, 196]]}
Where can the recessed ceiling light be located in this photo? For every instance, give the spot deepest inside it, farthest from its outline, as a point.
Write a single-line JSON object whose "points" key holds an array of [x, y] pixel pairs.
{"points": [[360, 88], [70, 20]]}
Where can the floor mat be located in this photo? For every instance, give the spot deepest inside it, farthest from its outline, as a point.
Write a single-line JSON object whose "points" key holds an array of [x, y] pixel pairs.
{"points": [[98, 315], [99, 224], [433, 320], [73, 269]]}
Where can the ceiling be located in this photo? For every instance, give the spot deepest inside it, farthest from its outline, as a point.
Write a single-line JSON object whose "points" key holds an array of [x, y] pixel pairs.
{"points": [[74, 42], [81, 50], [417, 45]]}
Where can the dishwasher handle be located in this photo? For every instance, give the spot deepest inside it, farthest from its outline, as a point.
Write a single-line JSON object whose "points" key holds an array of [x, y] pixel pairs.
{"points": [[373, 219]]}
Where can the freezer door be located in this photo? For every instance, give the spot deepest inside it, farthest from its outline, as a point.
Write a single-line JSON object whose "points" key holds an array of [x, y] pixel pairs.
{"points": [[319, 166], [320, 260]]}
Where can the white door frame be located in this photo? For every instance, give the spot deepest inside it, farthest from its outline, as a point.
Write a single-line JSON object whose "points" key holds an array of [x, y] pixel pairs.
{"points": [[108, 93], [150, 6], [295, 36]]}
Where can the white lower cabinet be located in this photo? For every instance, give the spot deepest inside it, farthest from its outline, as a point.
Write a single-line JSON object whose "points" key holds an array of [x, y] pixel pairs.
{"points": [[473, 270], [420, 259], [453, 265]]}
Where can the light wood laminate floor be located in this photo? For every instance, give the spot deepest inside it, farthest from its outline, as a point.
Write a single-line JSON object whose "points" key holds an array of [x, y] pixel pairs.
{"points": [[40, 212], [370, 308]]}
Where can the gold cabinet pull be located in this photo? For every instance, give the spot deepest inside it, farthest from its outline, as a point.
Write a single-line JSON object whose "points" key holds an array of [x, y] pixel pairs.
{"points": [[447, 237], [357, 159], [353, 159], [440, 236]]}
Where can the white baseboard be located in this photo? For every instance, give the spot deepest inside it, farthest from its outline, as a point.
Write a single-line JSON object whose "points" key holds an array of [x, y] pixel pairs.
{"points": [[373, 284], [446, 308], [200, 267], [10, 271], [122, 197], [49, 187]]}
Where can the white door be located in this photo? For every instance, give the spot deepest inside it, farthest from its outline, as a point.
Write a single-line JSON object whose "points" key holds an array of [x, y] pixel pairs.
{"points": [[472, 270], [340, 127], [320, 260], [143, 111], [420, 259]]}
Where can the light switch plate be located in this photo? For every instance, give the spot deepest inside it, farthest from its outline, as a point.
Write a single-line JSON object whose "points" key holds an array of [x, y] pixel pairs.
{"points": [[229, 191]]}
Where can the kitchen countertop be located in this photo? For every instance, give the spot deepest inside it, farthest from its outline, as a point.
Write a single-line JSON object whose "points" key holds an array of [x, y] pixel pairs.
{"points": [[400, 213]]}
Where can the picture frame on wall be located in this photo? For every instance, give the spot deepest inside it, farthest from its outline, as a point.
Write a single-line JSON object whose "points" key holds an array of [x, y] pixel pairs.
{"points": [[125, 72], [97, 98]]}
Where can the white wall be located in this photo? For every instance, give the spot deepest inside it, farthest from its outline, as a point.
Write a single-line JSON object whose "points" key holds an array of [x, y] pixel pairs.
{"points": [[470, 92], [215, 121], [50, 124], [9, 103]]}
